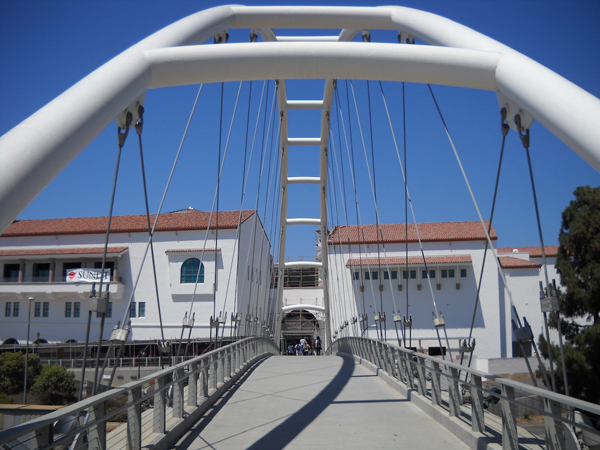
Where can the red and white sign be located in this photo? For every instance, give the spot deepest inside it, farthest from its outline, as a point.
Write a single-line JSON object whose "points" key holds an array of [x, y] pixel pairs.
{"points": [[87, 275]]}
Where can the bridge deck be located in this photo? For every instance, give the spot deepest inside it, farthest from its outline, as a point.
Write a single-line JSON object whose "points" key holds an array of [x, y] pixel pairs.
{"points": [[315, 402]]}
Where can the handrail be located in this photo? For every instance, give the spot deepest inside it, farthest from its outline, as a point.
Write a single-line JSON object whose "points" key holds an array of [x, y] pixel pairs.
{"points": [[206, 376], [423, 373]]}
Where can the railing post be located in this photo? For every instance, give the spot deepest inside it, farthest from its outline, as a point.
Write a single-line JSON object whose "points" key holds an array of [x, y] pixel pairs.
{"points": [[409, 362], [205, 364], [43, 436], [97, 433], [213, 373], [510, 439], [134, 419], [422, 386], [454, 393], [227, 366], [398, 360], [554, 441], [192, 399], [178, 394], [436, 385], [159, 417], [477, 417]]}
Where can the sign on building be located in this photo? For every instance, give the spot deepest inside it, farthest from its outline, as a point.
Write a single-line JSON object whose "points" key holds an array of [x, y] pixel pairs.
{"points": [[87, 275]]}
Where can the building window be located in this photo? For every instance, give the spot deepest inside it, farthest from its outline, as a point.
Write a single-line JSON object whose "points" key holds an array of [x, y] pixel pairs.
{"points": [[7, 309], [68, 309], [431, 274], [108, 265], [37, 312], [463, 273], [367, 275], [356, 275], [46, 309], [413, 274], [374, 275], [189, 271], [11, 273], [16, 309], [41, 273], [142, 309], [447, 273], [67, 267], [132, 309], [76, 309], [394, 275]]}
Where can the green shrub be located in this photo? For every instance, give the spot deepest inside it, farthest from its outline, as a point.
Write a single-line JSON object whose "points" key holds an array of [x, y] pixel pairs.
{"points": [[12, 367], [55, 385]]}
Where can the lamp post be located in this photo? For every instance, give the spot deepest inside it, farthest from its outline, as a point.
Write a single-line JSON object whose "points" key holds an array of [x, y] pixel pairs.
{"points": [[27, 352]]}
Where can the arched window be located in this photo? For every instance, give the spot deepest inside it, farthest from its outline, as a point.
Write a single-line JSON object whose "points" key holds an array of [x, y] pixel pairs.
{"points": [[189, 271]]}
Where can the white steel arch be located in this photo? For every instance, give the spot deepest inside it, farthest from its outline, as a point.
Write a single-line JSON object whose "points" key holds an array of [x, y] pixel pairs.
{"points": [[35, 151]]}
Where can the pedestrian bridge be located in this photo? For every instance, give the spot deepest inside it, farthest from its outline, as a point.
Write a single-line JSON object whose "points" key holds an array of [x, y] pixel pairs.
{"points": [[363, 394]]}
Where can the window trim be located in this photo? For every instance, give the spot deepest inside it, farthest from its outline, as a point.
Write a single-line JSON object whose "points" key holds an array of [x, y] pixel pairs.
{"points": [[184, 276]]}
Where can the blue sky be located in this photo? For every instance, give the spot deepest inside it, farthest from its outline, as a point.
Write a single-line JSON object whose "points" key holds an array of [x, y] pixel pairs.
{"points": [[47, 46]]}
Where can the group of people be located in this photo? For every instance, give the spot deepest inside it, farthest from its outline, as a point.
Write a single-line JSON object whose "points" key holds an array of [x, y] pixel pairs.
{"points": [[303, 347]]}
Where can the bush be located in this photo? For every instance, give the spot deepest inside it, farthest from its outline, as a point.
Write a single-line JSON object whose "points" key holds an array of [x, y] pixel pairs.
{"points": [[12, 366], [55, 385], [5, 399]]}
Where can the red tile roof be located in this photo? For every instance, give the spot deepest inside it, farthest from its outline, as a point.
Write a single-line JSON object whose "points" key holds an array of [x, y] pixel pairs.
{"points": [[412, 260], [534, 252], [508, 262], [62, 251], [395, 233], [187, 219]]}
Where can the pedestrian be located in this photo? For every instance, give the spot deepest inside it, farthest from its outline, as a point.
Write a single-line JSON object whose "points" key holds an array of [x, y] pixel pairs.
{"points": [[318, 346]]}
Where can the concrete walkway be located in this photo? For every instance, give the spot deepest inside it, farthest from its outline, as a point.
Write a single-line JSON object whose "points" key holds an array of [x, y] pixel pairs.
{"points": [[309, 402]]}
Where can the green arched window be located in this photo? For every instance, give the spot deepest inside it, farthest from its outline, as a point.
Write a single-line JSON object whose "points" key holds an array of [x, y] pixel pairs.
{"points": [[189, 271]]}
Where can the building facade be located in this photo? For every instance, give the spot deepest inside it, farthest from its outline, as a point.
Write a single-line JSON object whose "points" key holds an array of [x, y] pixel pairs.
{"points": [[48, 260], [403, 277]]}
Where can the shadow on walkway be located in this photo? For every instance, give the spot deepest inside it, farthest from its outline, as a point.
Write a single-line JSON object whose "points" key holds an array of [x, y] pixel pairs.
{"points": [[287, 431]]}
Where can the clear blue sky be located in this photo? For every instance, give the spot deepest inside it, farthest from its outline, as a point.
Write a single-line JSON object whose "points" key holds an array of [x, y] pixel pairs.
{"points": [[47, 46]]}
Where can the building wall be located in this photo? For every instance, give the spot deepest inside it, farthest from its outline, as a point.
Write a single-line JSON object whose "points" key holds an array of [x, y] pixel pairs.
{"points": [[171, 249]]}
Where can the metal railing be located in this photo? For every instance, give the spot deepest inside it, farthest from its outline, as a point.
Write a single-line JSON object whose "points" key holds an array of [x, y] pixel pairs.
{"points": [[471, 395], [155, 410]]}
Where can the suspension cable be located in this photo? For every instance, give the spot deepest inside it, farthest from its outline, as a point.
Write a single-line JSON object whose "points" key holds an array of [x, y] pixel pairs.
{"points": [[487, 235], [525, 142], [374, 194], [125, 317], [504, 129], [405, 173], [122, 137], [418, 233], [364, 320]]}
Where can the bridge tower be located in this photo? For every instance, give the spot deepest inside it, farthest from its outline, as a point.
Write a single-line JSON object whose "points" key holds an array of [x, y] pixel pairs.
{"points": [[287, 144]]}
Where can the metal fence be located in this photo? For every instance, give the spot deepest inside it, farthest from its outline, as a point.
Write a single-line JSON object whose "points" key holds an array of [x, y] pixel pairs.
{"points": [[525, 415], [155, 410]]}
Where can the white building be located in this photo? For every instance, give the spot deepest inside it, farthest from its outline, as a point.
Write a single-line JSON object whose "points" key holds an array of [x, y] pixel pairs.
{"points": [[387, 274], [37, 256]]}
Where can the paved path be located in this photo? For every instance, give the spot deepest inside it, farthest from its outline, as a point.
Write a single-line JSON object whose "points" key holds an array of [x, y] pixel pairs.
{"points": [[315, 403]]}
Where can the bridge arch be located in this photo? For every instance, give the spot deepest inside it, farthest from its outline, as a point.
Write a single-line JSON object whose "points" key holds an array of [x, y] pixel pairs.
{"points": [[53, 136]]}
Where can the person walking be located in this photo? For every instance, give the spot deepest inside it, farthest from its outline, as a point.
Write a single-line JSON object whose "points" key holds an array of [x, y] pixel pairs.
{"points": [[318, 346]]}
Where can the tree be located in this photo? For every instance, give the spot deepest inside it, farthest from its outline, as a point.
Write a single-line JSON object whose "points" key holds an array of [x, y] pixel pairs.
{"points": [[578, 264], [54, 385], [12, 369]]}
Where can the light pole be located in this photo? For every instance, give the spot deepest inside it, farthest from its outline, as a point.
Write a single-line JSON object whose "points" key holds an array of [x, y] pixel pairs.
{"points": [[27, 352]]}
